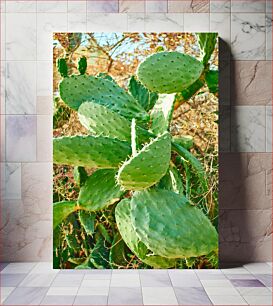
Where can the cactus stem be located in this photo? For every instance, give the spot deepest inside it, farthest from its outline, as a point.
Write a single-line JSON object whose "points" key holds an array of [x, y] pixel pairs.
{"points": [[133, 137]]}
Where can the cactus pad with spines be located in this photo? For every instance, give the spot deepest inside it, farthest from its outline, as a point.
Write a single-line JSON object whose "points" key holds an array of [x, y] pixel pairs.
{"points": [[90, 151], [61, 210], [100, 190], [169, 72], [148, 166], [161, 113], [206, 43], [169, 226], [77, 89], [172, 181], [100, 120], [128, 233]]}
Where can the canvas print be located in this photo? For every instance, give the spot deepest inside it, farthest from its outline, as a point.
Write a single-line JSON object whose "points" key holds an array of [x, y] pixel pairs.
{"points": [[135, 150]]}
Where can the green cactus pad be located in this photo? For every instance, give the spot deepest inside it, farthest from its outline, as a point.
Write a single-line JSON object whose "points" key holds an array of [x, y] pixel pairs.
{"points": [[87, 220], [169, 72], [80, 175], [172, 181], [61, 210], [169, 226], [77, 89], [192, 90], [144, 97], [90, 151], [99, 191], [100, 120], [186, 141], [212, 80], [161, 113], [145, 168], [62, 67], [128, 233], [207, 43], [82, 65]]}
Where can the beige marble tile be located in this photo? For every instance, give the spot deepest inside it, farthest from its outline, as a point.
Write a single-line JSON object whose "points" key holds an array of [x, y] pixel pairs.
{"points": [[219, 6], [44, 105], [243, 181], [251, 83], [44, 138], [131, 6], [188, 6]]}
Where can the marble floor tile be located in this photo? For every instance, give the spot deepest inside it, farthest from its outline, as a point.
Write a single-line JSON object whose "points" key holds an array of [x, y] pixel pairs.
{"points": [[38, 280], [216, 283], [248, 129], [246, 283], [102, 6], [125, 296], [119, 280], [5, 292], [131, 6], [198, 22], [157, 279], [91, 283], [240, 276], [248, 36], [78, 6], [258, 268], [67, 281], [52, 6], [248, 6], [212, 291], [258, 299], [20, 36], [160, 22], [184, 280], [97, 276], [227, 300], [220, 6], [155, 6], [86, 291], [11, 280], [159, 296], [192, 296], [20, 88], [106, 22], [58, 300], [62, 291], [18, 267], [266, 279], [26, 296], [3, 265], [90, 300], [20, 138], [44, 268], [245, 291], [268, 25]]}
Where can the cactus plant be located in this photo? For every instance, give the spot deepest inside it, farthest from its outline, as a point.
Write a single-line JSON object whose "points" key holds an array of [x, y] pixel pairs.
{"points": [[137, 179]]}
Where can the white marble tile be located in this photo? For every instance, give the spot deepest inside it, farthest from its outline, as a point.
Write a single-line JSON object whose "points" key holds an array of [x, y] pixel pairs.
{"points": [[45, 105], [87, 291], [159, 296], [44, 78], [219, 6], [18, 267], [107, 22], [44, 138], [47, 23], [93, 283], [5, 292], [160, 22], [21, 6], [2, 87], [3, 6], [216, 283], [227, 300], [43, 268], [131, 6], [268, 24], [198, 22], [12, 181], [238, 270], [120, 280], [136, 22], [20, 36], [77, 22], [20, 138], [220, 23], [248, 129], [62, 291], [3, 138], [3, 37], [248, 36], [52, 6], [77, 6], [268, 128], [258, 299], [248, 6], [38, 280], [254, 291], [103, 6], [20, 87], [37, 189], [269, 6], [226, 290], [258, 268], [153, 6]]}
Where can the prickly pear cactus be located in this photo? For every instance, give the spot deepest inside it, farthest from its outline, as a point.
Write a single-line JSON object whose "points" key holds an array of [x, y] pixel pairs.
{"points": [[82, 65], [169, 72]]}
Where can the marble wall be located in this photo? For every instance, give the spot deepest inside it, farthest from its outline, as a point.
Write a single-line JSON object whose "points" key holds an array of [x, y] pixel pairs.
{"points": [[245, 28]]}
